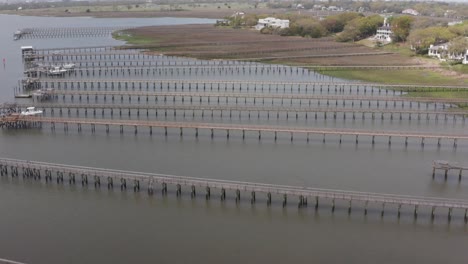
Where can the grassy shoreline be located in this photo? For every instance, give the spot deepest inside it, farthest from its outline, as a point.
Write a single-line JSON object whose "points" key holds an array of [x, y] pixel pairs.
{"points": [[418, 77]]}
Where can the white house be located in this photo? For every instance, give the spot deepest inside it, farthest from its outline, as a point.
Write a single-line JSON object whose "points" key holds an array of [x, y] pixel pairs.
{"points": [[438, 50], [465, 58], [272, 22], [410, 12], [441, 52], [384, 33]]}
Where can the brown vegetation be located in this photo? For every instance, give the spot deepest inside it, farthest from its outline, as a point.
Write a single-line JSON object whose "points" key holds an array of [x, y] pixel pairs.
{"points": [[209, 42]]}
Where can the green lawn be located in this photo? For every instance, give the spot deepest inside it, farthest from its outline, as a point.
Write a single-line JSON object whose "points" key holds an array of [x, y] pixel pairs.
{"points": [[132, 39], [423, 77]]}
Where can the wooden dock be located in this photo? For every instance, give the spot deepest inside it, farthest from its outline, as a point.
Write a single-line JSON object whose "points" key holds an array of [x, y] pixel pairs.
{"points": [[255, 98], [228, 110], [446, 166], [97, 176], [7, 261], [28, 121], [212, 83], [69, 32]]}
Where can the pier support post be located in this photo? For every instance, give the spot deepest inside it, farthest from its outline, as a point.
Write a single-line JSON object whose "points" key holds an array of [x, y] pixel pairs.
{"points": [[136, 185], [178, 190], [71, 178], [123, 184], [301, 201], [150, 187], [285, 200], [97, 181], [223, 194], [110, 183], [193, 192]]}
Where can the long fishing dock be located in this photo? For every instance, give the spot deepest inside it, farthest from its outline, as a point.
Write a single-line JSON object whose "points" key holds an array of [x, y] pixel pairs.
{"points": [[152, 68], [227, 110], [69, 32], [91, 83], [254, 98], [97, 176], [37, 121]]}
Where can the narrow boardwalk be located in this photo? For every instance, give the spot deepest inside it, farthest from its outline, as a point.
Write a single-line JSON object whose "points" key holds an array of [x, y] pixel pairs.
{"points": [[28, 121], [189, 96], [69, 32], [6, 261], [194, 82], [37, 170], [228, 110]]}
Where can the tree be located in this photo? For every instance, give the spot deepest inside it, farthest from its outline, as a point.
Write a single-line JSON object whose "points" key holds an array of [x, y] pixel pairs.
{"points": [[336, 23], [401, 27], [458, 45], [309, 27], [360, 28], [421, 39], [250, 20]]}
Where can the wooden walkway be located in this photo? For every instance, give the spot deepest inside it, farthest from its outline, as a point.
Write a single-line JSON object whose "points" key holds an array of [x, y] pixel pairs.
{"points": [[228, 109], [189, 96], [6, 261], [69, 32], [27, 121], [42, 170], [94, 82], [446, 166]]}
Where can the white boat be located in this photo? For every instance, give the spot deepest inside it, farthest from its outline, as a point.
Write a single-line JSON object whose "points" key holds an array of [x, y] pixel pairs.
{"points": [[31, 111], [57, 71], [69, 66], [17, 35]]}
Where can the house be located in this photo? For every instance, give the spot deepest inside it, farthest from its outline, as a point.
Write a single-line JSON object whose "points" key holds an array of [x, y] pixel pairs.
{"points": [[272, 22], [441, 52], [465, 58], [438, 50], [384, 33], [410, 12]]}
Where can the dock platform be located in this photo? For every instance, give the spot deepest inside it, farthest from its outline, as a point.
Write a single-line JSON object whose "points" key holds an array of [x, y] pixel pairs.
{"points": [[446, 166], [35, 170]]}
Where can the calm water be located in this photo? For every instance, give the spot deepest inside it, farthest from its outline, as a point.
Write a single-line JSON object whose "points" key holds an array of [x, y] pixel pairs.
{"points": [[66, 224]]}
